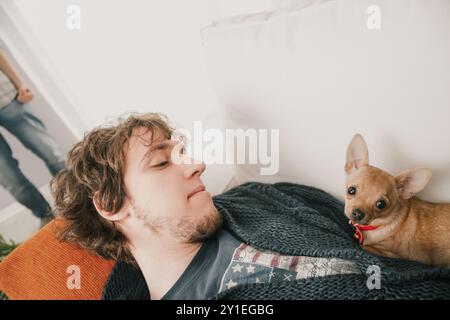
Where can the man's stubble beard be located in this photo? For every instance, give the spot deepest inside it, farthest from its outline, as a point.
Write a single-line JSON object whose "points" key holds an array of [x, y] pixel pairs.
{"points": [[190, 229]]}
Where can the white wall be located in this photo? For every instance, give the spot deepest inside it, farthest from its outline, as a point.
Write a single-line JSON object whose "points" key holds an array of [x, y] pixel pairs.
{"points": [[132, 55]]}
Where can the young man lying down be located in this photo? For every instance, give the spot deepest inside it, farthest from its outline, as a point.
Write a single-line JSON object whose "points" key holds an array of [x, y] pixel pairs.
{"points": [[125, 197]]}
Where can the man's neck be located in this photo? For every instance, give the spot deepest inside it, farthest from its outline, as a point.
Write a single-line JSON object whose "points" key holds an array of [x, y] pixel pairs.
{"points": [[162, 263]]}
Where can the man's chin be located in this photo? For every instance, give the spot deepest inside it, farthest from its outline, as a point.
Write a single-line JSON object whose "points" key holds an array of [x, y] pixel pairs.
{"points": [[209, 226]]}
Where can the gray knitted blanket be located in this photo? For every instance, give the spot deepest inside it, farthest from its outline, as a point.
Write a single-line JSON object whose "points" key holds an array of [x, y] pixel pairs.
{"points": [[303, 221]]}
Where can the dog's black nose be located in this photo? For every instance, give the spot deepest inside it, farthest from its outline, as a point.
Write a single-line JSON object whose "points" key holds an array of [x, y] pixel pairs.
{"points": [[357, 215]]}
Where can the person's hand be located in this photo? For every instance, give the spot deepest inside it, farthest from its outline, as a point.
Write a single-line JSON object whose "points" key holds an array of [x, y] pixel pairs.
{"points": [[24, 95]]}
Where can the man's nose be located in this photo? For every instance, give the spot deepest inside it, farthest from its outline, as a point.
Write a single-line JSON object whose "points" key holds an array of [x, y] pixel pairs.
{"points": [[195, 168], [357, 215]]}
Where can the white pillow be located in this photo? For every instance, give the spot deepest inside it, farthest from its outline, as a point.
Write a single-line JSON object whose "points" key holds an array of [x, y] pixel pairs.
{"points": [[320, 75], [225, 8], [281, 4]]}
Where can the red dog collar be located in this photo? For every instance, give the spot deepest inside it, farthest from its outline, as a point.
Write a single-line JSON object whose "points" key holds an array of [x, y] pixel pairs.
{"points": [[358, 231]]}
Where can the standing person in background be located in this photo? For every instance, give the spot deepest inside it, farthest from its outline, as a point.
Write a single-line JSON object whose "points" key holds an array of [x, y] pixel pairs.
{"points": [[16, 117]]}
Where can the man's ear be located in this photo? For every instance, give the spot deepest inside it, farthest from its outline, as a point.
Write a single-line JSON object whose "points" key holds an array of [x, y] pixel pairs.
{"points": [[412, 181], [110, 216], [357, 154]]}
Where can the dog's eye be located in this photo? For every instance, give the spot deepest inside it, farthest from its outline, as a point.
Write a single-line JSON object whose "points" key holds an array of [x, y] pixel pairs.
{"points": [[351, 191], [381, 204]]}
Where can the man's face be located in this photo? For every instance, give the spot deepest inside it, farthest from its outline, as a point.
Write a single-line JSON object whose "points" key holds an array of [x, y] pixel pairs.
{"points": [[168, 197]]}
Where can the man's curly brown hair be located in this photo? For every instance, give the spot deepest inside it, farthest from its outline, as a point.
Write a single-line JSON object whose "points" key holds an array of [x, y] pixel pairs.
{"points": [[95, 167]]}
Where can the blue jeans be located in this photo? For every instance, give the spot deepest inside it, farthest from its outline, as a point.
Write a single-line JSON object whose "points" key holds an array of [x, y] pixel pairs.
{"points": [[20, 121]]}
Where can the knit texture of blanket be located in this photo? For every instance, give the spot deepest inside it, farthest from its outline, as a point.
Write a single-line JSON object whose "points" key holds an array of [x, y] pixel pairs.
{"points": [[297, 220]]}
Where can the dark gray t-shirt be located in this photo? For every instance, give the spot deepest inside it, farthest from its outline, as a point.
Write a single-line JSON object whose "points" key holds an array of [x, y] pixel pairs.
{"points": [[224, 262]]}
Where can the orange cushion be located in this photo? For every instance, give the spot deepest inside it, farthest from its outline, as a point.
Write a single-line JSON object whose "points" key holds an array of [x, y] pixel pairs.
{"points": [[40, 268]]}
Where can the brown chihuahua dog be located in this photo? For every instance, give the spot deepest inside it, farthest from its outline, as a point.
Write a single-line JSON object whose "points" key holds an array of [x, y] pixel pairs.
{"points": [[389, 220]]}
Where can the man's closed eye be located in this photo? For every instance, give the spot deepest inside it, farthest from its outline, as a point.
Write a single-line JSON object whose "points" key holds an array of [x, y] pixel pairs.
{"points": [[162, 164]]}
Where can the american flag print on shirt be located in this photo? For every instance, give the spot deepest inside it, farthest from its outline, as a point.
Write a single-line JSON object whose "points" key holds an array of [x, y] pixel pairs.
{"points": [[250, 265]]}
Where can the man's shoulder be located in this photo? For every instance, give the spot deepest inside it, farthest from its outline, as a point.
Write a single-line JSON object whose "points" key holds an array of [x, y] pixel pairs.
{"points": [[126, 281]]}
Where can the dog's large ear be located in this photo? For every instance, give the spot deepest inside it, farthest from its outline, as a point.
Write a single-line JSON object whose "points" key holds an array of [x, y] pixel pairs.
{"points": [[412, 181], [357, 154]]}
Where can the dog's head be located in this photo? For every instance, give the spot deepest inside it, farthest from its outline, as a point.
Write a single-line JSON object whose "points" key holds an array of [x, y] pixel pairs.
{"points": [[372, 193]]}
